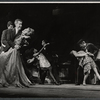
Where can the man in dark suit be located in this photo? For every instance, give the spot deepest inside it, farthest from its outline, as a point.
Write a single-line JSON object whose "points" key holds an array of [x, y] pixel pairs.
{"points": [[8, 36]]}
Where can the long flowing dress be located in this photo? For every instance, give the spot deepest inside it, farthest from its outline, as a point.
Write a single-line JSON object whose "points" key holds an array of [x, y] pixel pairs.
{"points": [[11, 67]]}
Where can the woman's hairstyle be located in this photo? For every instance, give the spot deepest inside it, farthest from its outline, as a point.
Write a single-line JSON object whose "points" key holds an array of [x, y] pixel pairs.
{"points": [[80, 41]]}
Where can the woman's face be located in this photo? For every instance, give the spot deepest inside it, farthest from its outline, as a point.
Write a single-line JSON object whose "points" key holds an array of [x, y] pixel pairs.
{"points": [[30, 31]]}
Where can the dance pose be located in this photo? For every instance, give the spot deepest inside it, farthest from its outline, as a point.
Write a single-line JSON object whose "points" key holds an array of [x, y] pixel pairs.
{"points": [[85, 61], [45, 66]]}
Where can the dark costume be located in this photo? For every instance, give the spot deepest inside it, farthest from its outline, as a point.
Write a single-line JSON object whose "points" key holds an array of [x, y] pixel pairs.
{"points": [[7, 39]]}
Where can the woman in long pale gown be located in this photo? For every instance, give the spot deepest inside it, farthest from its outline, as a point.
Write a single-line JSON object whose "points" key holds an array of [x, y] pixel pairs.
{"points": [[11, 67]]}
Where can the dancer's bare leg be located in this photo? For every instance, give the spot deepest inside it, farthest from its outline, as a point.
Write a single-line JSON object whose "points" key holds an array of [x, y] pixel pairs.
{"points": [[50, 72], [85, 77], [96, 72]]}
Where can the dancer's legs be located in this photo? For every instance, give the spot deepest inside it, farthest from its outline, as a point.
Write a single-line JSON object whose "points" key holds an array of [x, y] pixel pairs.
{"points": [[85, 77], [51, 75]]}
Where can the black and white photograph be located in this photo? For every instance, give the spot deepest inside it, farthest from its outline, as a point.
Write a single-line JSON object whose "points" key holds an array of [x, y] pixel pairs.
{"points": [[49, 50]]}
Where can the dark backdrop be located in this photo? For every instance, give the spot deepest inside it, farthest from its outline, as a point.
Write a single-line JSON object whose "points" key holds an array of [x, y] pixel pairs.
{"points": [[60, 24]]}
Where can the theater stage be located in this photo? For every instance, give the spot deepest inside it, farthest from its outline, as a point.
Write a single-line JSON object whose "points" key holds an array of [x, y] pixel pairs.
{"points": [[53, 91]]}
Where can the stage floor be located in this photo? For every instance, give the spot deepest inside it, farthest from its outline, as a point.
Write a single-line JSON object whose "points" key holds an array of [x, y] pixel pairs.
{"points": [[53, 91]]}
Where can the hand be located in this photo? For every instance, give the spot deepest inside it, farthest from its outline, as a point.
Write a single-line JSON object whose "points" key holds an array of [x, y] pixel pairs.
{"points": [[17, 46], [30, 60], [44, 48]]}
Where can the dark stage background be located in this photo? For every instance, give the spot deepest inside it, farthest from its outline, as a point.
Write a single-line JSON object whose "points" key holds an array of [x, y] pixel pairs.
{"points": [[60, 24]]}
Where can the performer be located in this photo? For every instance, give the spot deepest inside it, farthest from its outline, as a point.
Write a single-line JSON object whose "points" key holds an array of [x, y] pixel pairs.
{"points": [[90, 47], [11, 69], [85, 61], [45, 66]]}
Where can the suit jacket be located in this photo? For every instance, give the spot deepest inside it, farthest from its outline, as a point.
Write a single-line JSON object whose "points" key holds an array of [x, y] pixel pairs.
{"points": [[7, 39]]}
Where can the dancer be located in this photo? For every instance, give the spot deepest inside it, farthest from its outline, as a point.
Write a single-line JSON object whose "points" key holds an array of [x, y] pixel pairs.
{"points": [[85, 60], [45, 66]]}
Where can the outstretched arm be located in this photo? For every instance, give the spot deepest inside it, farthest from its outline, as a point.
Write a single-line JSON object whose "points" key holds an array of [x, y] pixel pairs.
{"points": [[32, 59], [78, 54]]}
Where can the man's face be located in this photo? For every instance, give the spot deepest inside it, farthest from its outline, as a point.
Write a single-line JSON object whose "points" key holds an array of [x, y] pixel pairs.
{"points": [[43, 42], [19, 25], [10, 27], [83, 44]]}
